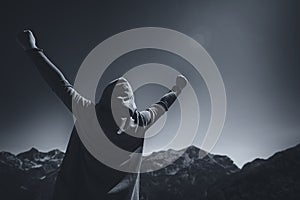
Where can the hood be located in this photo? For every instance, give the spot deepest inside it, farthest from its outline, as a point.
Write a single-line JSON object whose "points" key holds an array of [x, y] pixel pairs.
{"points": [[118, 99]]}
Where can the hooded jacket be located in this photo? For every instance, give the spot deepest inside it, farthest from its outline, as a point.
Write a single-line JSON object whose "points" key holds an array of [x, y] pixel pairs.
{"points": [[82, 176]]}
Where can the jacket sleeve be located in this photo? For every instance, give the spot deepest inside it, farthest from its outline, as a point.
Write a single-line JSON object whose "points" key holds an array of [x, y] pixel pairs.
{"points": [[56, 80], [149, 116]]}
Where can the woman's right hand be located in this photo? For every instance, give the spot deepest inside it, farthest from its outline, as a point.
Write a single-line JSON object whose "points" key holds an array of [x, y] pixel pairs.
{"points": [[26, 39], [181, 81]]}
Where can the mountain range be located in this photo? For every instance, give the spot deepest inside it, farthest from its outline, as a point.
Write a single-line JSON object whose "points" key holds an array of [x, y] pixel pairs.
{"points": [[31, 176]]}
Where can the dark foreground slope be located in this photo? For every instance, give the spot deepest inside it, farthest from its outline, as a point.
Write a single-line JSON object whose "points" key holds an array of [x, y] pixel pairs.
{"points": [[275, 178]]}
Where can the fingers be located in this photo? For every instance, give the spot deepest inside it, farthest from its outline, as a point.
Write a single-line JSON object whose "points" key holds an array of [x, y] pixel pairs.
{"points": [[24, 33], [26, 39]]}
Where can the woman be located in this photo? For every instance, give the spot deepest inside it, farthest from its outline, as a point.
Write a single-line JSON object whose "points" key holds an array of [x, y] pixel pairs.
{"points": [[81, 175]]}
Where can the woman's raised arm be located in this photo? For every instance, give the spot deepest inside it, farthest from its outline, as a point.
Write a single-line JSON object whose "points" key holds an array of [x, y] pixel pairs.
{"points": [[52, 75], [154, 112]]}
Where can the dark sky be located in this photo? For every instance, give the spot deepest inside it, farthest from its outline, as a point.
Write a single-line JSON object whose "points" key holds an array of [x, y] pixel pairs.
{"points": [[255, 45]]}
